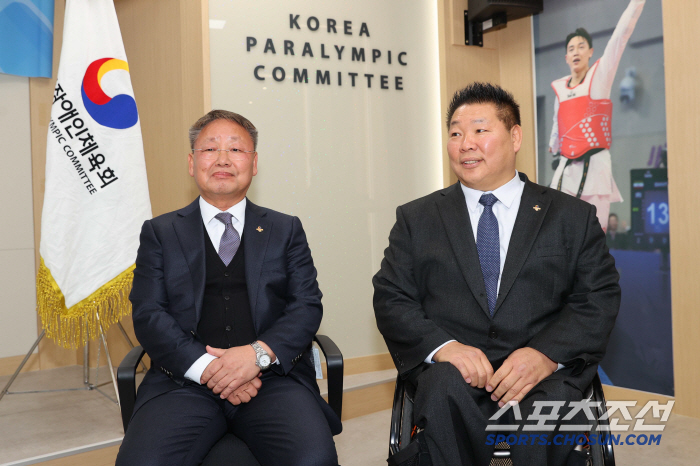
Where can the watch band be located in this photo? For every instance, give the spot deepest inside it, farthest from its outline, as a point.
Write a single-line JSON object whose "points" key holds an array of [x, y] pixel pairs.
{"points": [[259, 353]]}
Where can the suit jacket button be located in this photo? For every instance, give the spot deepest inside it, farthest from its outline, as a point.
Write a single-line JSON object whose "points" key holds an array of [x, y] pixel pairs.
{"points": [[493, 335]]}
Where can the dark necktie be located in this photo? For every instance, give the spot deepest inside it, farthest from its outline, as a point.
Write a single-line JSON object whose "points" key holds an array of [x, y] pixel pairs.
{"points": [[489, 248], [230, 240]]}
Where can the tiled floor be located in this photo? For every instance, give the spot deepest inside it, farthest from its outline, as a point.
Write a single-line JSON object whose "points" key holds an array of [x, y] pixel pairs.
{"points": [[37, 424]]}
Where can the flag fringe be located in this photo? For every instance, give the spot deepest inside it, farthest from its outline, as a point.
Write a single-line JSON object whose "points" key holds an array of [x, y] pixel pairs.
{"points": [[71, 328]]}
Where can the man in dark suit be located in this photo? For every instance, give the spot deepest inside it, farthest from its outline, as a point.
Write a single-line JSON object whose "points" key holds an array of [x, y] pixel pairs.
{"points": [[494, 291], [613, 238], [226, 304]]}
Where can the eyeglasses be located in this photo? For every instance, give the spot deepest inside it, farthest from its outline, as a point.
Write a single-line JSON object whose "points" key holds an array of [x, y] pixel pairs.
{"points": [[210, 153]]}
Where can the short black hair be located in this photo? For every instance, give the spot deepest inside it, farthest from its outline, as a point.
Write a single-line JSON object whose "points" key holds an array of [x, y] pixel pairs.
{"points": [[580, 32], [612, 214], [507, 108]]}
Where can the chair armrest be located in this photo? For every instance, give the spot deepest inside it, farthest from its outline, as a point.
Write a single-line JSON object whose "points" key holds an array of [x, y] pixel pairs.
{"points": [[126, 382], [334, 369]]}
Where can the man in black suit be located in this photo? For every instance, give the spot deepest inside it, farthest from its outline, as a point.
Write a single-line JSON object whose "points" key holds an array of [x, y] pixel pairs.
{"points": [[615, 239], [493, 291], [226, 304]]}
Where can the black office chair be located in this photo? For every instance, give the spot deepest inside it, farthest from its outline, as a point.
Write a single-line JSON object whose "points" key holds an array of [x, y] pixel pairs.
{"points": [[402, 425], [230, 446]]}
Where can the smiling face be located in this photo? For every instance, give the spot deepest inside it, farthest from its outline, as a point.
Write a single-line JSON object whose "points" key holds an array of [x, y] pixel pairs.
{"points": [[481, 149], [578, 54], [223, 178]]}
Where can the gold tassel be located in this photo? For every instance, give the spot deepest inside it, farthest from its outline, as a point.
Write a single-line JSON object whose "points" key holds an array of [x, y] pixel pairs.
{"points": [[70, 328]]}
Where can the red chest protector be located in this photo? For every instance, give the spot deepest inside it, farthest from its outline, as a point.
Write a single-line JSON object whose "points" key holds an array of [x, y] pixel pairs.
{"points": [[584, 124]]}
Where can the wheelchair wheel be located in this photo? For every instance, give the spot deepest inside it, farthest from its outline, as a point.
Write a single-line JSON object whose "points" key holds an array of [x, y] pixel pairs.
{"points": [[595, 455]]}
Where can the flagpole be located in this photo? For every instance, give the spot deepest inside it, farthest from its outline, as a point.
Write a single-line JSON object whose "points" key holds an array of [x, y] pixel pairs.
{"points": [[86, 364], [109, 359]]}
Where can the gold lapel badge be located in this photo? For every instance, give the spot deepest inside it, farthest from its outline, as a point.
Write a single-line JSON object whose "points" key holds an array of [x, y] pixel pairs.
{"points": [[259, 230], [537, 208]]}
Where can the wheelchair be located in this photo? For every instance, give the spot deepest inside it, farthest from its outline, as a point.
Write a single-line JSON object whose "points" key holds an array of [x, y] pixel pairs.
{"points": [[402, 425], [229, 446]]}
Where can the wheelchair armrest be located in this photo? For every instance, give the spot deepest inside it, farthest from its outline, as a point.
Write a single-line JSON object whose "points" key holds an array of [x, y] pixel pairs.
{"points": [[595, 392], [334, 369], [599, 397], [396, 416], [126, 382]]}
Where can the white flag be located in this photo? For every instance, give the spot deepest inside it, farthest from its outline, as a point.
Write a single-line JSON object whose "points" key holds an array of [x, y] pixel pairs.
{"points": [[96, 193]]}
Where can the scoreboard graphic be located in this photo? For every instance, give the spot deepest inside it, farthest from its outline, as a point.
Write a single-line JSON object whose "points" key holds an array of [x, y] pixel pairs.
{"points": [[650, 212]]}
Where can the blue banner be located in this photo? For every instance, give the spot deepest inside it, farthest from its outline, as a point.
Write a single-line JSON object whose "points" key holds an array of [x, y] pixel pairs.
{"points": [[26, 37]]}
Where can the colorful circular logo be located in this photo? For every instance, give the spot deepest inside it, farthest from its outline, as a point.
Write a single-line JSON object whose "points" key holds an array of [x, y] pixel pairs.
{"points": [[118, 112]]}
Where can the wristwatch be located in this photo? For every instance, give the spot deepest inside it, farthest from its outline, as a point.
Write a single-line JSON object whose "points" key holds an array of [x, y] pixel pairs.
{"points": [[262, 359]]}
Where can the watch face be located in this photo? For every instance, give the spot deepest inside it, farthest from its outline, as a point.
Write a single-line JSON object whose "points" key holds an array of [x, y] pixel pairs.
{"points": [[264, 360]]}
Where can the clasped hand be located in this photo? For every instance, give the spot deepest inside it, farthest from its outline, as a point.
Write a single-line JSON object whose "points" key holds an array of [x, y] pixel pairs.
{"points": [[234, 376], [522, 370]]}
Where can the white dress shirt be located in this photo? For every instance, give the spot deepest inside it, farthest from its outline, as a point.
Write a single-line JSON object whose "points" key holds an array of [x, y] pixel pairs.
{"points": [[215, 229], [505, 210]]}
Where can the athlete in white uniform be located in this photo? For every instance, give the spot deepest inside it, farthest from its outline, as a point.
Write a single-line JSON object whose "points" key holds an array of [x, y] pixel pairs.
{"points": [[581, 131]]}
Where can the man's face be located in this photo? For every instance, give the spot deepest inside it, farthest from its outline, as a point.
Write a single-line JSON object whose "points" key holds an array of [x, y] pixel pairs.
{"points": [[578, 54], [612, 223], [222, 177], [481, 149]]}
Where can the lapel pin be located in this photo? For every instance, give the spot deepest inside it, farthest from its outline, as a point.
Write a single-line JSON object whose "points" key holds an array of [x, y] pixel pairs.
{"points": [[537, 208], [259, 230]]}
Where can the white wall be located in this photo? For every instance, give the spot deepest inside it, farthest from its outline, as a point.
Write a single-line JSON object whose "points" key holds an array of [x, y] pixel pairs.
{"points": [[17, 282], [341, 158]]}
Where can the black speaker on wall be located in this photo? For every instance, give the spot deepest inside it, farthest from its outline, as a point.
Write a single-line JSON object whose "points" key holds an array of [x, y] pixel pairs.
{"points": [[483, 10]]}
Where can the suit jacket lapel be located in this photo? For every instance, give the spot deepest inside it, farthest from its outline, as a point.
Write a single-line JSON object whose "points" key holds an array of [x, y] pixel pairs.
{"points": [[527, 226], [256, 234], [455, 218], [190, 233]]}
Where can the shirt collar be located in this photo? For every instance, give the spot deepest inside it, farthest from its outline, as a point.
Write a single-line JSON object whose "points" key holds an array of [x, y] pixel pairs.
{"points": [[506, 194], [209, 211]]}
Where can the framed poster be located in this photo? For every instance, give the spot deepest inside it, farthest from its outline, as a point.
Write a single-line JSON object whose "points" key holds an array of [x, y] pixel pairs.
{"points": [[601, 128]]}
